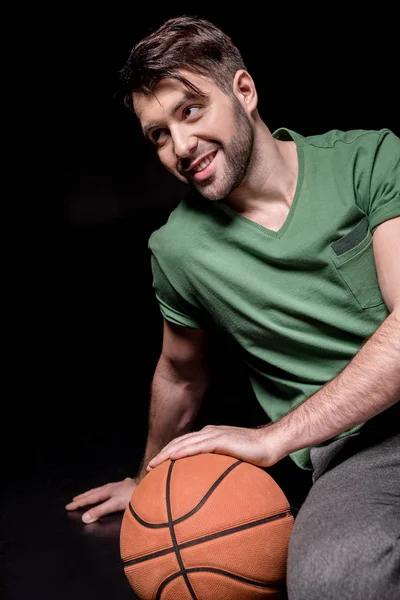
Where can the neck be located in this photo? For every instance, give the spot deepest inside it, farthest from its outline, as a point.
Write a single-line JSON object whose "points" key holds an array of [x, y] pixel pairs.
{"points": [[271, 180]]}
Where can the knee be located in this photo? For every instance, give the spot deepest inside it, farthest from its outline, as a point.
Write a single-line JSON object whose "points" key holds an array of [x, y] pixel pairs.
{"points": [[361, 565]]}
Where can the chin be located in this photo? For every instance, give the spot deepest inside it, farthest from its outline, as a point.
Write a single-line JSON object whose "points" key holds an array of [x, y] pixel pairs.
{"points": [[209, 195], [210, 191]]}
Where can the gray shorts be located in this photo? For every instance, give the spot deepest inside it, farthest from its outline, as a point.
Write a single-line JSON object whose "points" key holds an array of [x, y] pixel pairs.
{"points": [[345, 543]]}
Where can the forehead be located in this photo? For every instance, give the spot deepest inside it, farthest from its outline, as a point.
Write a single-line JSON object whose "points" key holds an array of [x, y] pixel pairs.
{"points": [[168, 92]]}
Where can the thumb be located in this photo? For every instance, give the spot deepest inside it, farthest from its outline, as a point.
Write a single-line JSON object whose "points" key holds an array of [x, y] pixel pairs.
{"points": [[87, 517]]}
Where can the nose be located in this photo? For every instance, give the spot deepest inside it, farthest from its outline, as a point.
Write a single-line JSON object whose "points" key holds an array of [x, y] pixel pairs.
{"points": [[184, 143]]}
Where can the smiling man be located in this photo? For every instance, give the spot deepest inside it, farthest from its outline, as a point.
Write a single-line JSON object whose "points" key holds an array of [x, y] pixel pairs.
{"points": [[291, 246], [200, 137]]}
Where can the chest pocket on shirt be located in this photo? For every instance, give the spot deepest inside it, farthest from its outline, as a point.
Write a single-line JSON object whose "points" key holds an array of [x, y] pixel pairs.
{"points": [[354, 260]]}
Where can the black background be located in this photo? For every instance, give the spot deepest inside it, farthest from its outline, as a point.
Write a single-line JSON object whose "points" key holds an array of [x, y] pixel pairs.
{"points": [[85, 328]]}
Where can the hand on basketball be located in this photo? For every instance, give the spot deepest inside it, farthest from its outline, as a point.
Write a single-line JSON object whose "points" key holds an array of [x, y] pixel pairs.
{"points": [[111, 497], [250, 445]]}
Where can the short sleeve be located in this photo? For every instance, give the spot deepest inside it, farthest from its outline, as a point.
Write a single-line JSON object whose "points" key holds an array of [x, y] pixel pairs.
{"points": [[384, 193], [173, 307]]}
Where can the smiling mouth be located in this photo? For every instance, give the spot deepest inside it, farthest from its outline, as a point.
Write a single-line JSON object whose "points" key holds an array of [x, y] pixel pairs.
{"points": [[201, 166]]}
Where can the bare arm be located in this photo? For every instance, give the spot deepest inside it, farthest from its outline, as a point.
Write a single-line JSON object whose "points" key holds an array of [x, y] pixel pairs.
{"points": [[367, 386], [179, 383]]}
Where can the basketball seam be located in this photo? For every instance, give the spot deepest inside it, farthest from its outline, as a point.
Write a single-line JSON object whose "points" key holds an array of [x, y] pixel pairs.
{"points": [[207, 538], [194, 510], [173, 535], [218, 572]]}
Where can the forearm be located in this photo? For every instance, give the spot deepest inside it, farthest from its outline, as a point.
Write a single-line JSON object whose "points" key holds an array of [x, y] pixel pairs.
{"points": [[176, 398], [368, 385]]}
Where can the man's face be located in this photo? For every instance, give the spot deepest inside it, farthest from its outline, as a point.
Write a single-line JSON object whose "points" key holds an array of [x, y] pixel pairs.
{"points": [[206, 142]]}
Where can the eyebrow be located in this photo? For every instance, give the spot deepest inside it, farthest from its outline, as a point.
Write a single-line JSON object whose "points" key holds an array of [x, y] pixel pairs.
{"points": [[188, 96]]}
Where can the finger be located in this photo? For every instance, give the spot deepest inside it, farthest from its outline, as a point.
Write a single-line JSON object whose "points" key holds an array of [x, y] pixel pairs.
{"points": [[206, 444], [201, 447], [82, 496], [182, 439], [193, 436], [101, 510], [91, 497], [177, 445]]}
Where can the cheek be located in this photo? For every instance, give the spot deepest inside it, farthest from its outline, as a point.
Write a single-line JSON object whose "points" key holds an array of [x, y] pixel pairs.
{"points": [[221, 124], [166, 158]]}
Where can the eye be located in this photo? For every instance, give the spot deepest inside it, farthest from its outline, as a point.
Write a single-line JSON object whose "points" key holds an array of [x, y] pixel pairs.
{"points": [[156, 135], [188, 112]]}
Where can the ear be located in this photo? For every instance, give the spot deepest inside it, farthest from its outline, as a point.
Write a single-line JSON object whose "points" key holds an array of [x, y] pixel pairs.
{"points": [[245, 90]]}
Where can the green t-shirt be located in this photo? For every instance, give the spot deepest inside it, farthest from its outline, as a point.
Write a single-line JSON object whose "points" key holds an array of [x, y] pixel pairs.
{"points": [[301, 301]]}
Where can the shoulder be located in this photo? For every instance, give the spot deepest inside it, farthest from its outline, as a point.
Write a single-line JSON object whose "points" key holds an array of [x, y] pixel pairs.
{"points": [[338, 138], [176, 234], [348, 140], [358, 152]]}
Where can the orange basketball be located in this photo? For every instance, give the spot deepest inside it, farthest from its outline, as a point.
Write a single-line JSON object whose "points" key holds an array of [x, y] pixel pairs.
{"points": [[206, 527]]}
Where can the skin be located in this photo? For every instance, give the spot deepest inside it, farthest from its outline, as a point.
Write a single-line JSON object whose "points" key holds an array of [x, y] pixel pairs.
{"points": [[254, 173], [257, 176]]}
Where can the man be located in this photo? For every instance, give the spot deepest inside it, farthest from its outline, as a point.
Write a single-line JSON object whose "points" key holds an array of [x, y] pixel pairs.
{"points": [[291, 246]]}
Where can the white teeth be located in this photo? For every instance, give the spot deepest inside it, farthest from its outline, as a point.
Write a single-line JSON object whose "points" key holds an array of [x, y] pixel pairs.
{"points": [[204, 163]]}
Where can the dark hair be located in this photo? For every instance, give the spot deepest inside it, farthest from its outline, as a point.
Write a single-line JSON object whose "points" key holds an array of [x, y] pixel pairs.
{"points": [[183, 42]]}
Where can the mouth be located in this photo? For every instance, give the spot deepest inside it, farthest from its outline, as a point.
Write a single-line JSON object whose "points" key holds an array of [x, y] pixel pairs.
{"points": [[204, 168]]}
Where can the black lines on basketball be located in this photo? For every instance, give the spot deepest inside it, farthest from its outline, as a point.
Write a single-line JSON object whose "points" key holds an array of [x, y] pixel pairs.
{"points": [[208, 538], [173, 536], [217, 572], [196, 508]]}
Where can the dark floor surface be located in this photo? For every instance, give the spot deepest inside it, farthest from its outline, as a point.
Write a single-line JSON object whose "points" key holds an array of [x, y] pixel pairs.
{"points": [[50, 553]]}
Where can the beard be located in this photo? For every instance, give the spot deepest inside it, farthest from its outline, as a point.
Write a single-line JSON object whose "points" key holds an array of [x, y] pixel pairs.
{"points": [[238, 153]]}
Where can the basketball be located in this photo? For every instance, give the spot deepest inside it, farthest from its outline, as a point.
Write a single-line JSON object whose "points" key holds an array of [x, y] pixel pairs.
{"points": [[206, 527]]}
